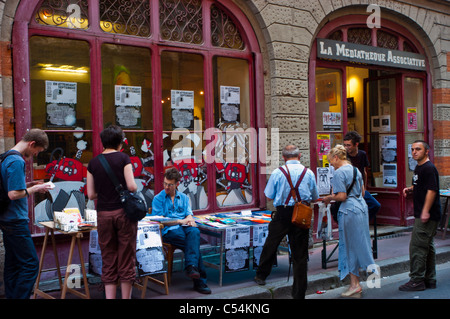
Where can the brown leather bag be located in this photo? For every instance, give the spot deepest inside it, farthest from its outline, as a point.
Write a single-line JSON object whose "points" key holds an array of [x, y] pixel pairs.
{"points": [[302, 214]]}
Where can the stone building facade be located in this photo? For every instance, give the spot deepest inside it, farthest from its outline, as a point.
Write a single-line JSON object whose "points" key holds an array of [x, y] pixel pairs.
{"points": [[286, 33]]}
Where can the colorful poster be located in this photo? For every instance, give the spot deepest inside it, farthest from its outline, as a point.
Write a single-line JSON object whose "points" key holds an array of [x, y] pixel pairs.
{"points": [[412, 118], [331, 121], [323, 144]]}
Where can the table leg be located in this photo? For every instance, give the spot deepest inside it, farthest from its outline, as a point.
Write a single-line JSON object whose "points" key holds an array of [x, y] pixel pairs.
{"points": [[69, 264], [83, 269], [75, 239], [55, 253], [222, 250], [41, 265]]}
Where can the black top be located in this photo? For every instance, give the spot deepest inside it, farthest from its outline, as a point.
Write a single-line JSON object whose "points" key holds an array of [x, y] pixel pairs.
{"points": [[426, 177], [107, 196], [360, 161]]}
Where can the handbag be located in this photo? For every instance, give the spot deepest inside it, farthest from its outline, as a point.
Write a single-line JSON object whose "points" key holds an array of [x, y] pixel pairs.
{"points": [[334, 207], [301, 214], [133, 204]]}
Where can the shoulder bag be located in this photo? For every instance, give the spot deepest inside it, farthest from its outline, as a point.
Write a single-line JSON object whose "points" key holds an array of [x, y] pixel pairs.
{"points": [[302, 214], [133, 204], [334, 208]]}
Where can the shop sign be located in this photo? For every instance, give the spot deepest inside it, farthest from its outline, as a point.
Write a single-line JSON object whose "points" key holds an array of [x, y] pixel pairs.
{"points": [[345, 51]]}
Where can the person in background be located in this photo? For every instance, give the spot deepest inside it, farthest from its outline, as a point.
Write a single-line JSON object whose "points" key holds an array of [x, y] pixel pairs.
{"points": [[278, 190], [427, 213], [116, 233], [21, 260], [355, 251], [181, 231], [359, 159]]}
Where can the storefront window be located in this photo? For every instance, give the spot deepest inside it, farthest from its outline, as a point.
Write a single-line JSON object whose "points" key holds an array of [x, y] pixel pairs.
{"points": [[382, 118], [167, 90], [127, 102], [328, 109], [384, 101], [413, 121], [235, 146], [60, 95], [183, 104], [127, 87]]}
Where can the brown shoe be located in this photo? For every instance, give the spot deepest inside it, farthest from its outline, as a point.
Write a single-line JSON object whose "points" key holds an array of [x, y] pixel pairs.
{"points": [[412, 286]]}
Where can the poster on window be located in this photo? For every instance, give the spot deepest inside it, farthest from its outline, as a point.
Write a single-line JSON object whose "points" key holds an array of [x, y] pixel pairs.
{"points": [[412, 118], [388, 144], [237, 248], [324, 177], [128, 102], [149, 251], [182, 105], [260, 233], [230, 103], [323, 144], [331, 121], [390, 175], [412, 163], [60, 101]]}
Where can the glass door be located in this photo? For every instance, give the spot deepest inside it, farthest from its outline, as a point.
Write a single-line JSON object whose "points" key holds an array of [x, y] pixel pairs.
{"points": [[382, 105], [395, 118]]}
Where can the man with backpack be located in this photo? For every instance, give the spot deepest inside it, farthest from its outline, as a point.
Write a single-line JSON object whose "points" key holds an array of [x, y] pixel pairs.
{"points": [[21, 261]]}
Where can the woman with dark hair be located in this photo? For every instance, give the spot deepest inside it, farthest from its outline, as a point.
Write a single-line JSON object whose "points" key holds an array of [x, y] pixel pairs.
{"points": [[116, 233]]}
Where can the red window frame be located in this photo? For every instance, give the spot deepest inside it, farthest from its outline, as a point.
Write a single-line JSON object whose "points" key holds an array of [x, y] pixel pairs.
{"points": [[25, 27]]}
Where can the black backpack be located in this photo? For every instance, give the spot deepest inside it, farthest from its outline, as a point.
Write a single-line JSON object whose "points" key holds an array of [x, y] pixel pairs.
{"points": [[4, 199]]}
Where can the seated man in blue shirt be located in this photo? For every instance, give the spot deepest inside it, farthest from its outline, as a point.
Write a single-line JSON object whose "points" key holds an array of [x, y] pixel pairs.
{"points": [[182, 231]]}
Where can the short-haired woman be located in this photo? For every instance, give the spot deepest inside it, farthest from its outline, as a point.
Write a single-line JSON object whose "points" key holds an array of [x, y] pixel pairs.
{"points": [[116, 233]]}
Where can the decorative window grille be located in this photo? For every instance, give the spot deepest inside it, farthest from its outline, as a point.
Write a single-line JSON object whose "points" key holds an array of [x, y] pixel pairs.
{"points": [[181, 21], [360, 36], [64, 13], [130, 17], [224, 33], [387, 40]]}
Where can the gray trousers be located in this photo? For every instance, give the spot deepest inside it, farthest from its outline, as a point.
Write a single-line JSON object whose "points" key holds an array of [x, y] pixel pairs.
{"points": [[422, 253]]}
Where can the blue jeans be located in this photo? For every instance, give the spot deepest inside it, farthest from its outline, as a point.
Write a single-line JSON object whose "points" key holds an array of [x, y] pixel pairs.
{"points": [[21, 260], [187, 238], [372, 204]]}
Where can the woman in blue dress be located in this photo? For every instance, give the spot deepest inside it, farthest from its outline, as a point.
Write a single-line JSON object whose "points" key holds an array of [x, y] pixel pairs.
{"points": [[355, 251]]}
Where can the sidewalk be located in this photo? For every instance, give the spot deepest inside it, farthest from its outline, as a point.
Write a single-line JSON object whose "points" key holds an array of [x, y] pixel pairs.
{"points": [[393, 258]]}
